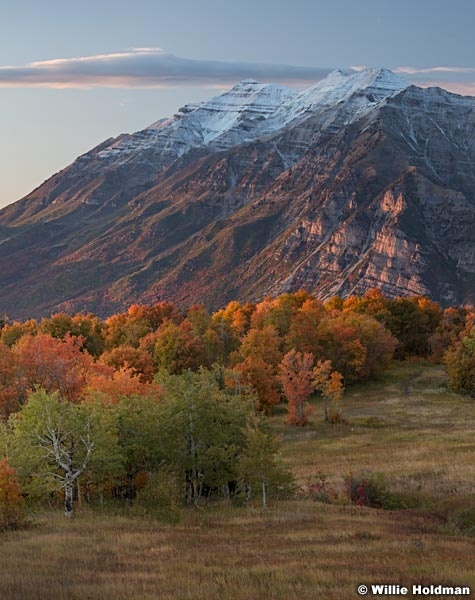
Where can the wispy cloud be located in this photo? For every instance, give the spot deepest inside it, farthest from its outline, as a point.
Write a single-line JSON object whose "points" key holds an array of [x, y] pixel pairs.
{"points": [[148, 67], [432, 70]]}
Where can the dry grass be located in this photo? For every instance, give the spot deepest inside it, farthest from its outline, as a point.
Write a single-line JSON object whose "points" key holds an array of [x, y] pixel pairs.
{"points": [[406, 426], [296, 549]]}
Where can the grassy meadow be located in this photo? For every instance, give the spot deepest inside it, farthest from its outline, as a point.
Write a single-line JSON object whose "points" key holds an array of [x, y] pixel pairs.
{"points": [[406, 426]]}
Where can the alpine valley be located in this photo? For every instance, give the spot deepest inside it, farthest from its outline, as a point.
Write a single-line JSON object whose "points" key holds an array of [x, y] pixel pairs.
{"points": [[359, 182]]}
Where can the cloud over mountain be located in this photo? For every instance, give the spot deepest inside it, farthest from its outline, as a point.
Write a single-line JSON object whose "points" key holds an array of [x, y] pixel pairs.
{"points": [[148, 67]]}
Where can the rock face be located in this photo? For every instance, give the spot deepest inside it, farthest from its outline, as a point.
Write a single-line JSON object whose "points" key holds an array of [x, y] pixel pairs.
{"points": [[360, 181]]}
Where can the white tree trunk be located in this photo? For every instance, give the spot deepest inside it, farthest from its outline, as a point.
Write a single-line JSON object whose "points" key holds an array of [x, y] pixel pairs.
{"points": [[68, 495]]}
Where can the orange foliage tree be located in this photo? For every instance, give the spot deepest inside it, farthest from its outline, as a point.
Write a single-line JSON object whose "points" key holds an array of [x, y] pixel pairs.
{"points": [[11, 499], [52, 364], [262, 343], [137, 359], [110, 386], [303, 334], [259, 375], [295, 375]]}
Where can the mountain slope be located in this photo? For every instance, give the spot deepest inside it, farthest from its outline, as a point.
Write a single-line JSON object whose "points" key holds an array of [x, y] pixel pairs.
{"points": [[360, 181]]}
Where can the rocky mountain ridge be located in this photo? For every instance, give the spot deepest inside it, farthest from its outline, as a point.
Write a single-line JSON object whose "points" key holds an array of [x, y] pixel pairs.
{"points": [[360, 181]]}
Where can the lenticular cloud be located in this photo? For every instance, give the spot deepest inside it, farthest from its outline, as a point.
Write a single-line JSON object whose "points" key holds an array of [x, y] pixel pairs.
{"points": [[148, 67], [153, 67]]}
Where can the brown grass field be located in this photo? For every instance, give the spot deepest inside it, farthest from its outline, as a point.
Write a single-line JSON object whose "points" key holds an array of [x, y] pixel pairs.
{"points": [[407, 426]]}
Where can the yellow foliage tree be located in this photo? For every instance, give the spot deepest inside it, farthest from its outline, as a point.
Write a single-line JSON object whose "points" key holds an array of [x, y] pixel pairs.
{"points": [[330, 384]]}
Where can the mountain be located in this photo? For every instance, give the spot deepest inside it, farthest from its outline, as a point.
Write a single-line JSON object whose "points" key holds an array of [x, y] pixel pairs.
{"points": [[360, 181]]}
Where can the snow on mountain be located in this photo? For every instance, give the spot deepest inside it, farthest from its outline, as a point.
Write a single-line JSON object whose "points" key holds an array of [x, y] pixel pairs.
{"points": [[250, 110], [368, 86], [224, 121]]}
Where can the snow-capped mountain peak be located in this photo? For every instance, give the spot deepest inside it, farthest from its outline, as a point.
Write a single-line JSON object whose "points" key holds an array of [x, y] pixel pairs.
{"points": [[251, 109], [339, 86]]}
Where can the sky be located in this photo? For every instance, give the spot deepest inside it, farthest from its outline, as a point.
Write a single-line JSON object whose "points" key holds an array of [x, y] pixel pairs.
{"points": [[73, 74]]}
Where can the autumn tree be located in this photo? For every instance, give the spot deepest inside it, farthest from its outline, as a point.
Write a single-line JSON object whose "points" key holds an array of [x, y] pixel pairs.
{"points": [[52, 364], [237, 316], [342, 344], [11, 333], [329, 383], [178, 347], [262, 343], [9, 392], [303, 334], [130, 327], [221, 338], [260, 377], [11, 498], [448, 332], [87, 327], [295, 375], [138, 360], [358, 346], [372, 303], [283, 309], [110, 385]]}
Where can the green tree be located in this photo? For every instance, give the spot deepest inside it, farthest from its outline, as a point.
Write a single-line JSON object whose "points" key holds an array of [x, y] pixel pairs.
{"points": [[178, 347], [139, 431], [260, 467], [460, 364], [55, 442], [202, 432], [412, 321], [11, 333]]}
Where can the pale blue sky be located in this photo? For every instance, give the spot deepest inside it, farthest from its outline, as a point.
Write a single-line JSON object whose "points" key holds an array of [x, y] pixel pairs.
{"points": [[42, 129]]}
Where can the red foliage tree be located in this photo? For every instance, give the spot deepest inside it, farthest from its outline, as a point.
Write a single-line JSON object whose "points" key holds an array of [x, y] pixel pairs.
{"points": [[9, 398]]}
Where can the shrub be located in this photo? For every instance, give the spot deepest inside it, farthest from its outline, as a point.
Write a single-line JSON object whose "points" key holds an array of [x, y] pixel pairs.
{"points": [[368, 489], [160, 498], [458, 513], [321, 490]]}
